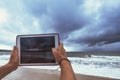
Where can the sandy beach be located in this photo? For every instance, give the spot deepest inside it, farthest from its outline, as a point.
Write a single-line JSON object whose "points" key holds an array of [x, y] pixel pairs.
{"points": [[23, 73]]}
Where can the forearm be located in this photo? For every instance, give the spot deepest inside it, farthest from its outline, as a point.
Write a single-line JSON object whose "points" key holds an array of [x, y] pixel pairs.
{"points": [[67, 72], [5, 70]]}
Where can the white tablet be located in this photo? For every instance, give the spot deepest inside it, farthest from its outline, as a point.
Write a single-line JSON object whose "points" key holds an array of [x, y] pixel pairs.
{"points": [[36, 49]]}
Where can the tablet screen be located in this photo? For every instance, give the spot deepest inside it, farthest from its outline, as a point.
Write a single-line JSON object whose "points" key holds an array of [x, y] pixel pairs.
{"points": [[35, 50]]}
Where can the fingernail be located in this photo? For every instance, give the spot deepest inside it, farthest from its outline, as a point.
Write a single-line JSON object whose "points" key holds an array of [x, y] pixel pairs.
{"points": [[15, 47]]}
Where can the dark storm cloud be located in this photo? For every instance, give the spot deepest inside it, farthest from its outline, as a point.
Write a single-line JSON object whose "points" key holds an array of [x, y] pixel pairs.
{"points": [[69, 16], [66, 15], [110, 24], [106, 30]]}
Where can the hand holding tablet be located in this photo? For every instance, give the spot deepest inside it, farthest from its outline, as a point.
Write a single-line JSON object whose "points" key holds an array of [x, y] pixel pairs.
{"points": [[37, 49]]}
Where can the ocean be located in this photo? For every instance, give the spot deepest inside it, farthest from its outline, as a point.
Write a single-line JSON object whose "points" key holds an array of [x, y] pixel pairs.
{"points": [[105, 66]]}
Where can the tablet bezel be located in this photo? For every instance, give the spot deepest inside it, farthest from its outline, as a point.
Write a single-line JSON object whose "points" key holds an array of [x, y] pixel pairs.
{"points": [[18, 37]]}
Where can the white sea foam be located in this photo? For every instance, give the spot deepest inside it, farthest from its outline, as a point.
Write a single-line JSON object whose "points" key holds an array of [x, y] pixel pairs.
{"points": [[98, 66], [4, 59], [107, 66]]}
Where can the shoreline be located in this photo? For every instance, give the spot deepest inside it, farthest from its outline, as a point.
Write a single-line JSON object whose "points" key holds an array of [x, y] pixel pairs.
{"points": [[44, 74]]}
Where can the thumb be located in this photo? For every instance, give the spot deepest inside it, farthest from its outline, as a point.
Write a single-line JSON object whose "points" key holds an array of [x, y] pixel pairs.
{"points": [[54, 52]]}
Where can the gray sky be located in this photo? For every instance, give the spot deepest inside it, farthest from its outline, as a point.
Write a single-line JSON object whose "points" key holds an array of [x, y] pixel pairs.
{"points": [[83, 25]]}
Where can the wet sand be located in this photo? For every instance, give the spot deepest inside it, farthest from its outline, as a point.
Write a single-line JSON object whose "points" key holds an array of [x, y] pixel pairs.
{"points": [[23, 73]]}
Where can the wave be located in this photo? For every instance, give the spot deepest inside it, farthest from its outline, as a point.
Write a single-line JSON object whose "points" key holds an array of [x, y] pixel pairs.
{"points": [[90, 65], [98, 61]]}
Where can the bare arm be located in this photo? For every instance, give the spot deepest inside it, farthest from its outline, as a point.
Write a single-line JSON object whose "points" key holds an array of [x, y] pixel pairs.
{"points": [[67, 72], [11, 65]]}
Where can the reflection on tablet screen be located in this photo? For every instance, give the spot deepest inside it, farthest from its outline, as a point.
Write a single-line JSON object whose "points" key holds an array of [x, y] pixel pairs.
{"points": [[37, 49]]}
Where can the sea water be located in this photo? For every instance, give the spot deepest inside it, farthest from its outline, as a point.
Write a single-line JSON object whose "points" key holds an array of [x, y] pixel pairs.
{"points": [[106, 66]]}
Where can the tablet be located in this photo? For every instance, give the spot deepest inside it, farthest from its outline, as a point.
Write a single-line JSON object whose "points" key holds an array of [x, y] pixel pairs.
{"points": [[36, 49]]}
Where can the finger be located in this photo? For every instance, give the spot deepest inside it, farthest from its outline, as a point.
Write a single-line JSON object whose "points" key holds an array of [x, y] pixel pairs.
{"points": [[14, 53], [54, 51], [56, 54], [60, 47], [15, 49]]}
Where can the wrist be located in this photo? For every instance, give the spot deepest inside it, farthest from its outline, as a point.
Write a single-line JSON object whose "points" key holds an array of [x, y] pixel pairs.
{"points": [[64, 61], [8, 67], [11, 66]]}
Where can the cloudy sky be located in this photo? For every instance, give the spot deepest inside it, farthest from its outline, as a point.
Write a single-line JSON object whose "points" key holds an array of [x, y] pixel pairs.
{"points": [[83, 25]]}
